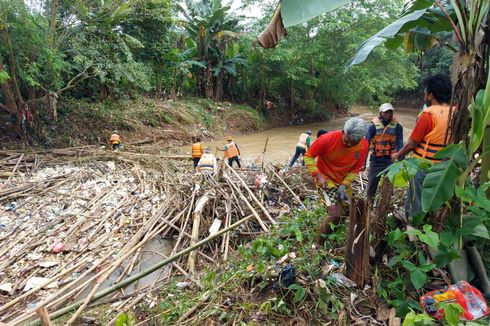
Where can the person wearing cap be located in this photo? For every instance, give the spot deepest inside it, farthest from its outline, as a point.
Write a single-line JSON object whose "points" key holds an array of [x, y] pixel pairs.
{"points": [[385, 136], [207, 164], [115, 140], [334, 160], [232, 152], [304, 143], [197, 151], [428, 136]]}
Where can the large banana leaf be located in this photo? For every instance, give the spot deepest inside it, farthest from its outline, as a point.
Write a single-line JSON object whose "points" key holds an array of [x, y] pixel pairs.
{"points": [[440, 182], [415, 30], [295, 12], [388, 32], [480, 116]]}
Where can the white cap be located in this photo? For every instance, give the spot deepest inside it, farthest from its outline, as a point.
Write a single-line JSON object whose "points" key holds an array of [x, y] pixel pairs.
{"points": [[386, 107]]}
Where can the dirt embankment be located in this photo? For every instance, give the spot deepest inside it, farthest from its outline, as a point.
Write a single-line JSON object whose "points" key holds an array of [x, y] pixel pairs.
{"points": [[141, 120]]}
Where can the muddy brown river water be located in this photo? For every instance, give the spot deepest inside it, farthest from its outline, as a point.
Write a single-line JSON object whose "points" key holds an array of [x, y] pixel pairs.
{"points": [[282, 141]]}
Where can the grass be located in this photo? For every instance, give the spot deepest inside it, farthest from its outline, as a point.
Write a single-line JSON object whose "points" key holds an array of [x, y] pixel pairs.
{"points": [[81, 122]]}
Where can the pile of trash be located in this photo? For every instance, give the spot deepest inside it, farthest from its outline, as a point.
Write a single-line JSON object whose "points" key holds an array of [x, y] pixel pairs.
{"points": [[71, 230]]}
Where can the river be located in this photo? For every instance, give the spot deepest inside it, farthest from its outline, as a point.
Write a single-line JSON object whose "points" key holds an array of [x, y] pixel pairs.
{"points": [[282, 141]]}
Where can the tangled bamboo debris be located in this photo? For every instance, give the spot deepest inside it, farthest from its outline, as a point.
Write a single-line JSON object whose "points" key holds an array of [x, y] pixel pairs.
{"points": [[83, 223]]}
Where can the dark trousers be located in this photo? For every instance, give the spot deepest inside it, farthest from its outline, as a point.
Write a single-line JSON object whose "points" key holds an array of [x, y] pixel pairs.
{"points": [[116, 146], [234, 159], [375, 167], [413, 204], [299, 151], [196, 160]]}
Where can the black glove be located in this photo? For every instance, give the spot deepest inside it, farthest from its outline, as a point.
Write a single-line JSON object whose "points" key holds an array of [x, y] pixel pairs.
{"points": [[342, 192]]}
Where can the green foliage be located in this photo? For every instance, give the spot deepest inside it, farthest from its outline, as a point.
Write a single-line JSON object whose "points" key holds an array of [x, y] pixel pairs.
{"points": [[414, 319], [452, 312], [401, 172], [441, 178], [125, 319]]}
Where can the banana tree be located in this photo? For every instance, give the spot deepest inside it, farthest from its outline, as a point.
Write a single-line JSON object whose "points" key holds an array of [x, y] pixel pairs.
{"points": [[424, 24], [204, 23]]}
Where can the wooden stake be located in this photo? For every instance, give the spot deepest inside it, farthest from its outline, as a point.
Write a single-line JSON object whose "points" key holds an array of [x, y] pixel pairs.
{"points": [[357, 250], [44, 316], [263, 154]]}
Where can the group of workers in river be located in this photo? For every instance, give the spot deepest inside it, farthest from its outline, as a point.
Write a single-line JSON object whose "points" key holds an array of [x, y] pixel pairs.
{"points": [[335, 158]]}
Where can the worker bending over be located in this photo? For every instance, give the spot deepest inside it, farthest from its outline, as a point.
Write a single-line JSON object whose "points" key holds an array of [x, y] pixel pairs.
{"points": [[115, 140], [334, 160], [302, 146], [207, 163]]}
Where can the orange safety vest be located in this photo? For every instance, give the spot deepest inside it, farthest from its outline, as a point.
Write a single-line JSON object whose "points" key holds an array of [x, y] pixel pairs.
{"points": [[115, 139], [231, 150], [197, 150], [384, 141], [434, 140]]}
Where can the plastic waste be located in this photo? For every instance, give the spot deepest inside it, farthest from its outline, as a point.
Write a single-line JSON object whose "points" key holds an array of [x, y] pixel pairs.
{"points": [[6, 287], [34, 282], [11, 206], [343, 280], [58, 247], [215, 226], [469, 298], [286, 277]]}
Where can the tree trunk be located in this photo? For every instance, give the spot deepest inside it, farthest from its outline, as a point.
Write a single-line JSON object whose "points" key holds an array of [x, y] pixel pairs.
{"points": [[13, 73], [219, 87], [378, 223], [52, 22], [208, 90], [8, 94]]}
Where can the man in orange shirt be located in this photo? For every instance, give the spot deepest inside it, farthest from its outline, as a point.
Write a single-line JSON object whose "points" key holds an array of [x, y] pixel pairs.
{"points": [[428, 136], [334, 160], [115, 140]]}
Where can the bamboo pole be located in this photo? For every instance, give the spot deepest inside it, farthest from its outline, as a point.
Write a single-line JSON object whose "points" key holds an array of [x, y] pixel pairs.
{"points": [[44, 316], [147, 271], [263, 154], [244, 199], [254, 198], [49, 281], [288, 188], [13, 171], [195, 230]]}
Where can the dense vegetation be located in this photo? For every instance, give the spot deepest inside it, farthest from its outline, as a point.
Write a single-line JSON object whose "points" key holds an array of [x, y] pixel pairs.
{"points": [[111, 50]]}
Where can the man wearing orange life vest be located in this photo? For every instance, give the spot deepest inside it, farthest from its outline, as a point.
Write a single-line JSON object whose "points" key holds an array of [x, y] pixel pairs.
{"points": [[197, 151], [115, 140], [428, 136], [385, 136], [232, 152], [334, 160]]}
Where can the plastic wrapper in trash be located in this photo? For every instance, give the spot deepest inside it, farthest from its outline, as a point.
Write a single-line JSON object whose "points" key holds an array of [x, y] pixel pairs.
{"points": [[286, 278], [343, 280], [470, 299]]}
